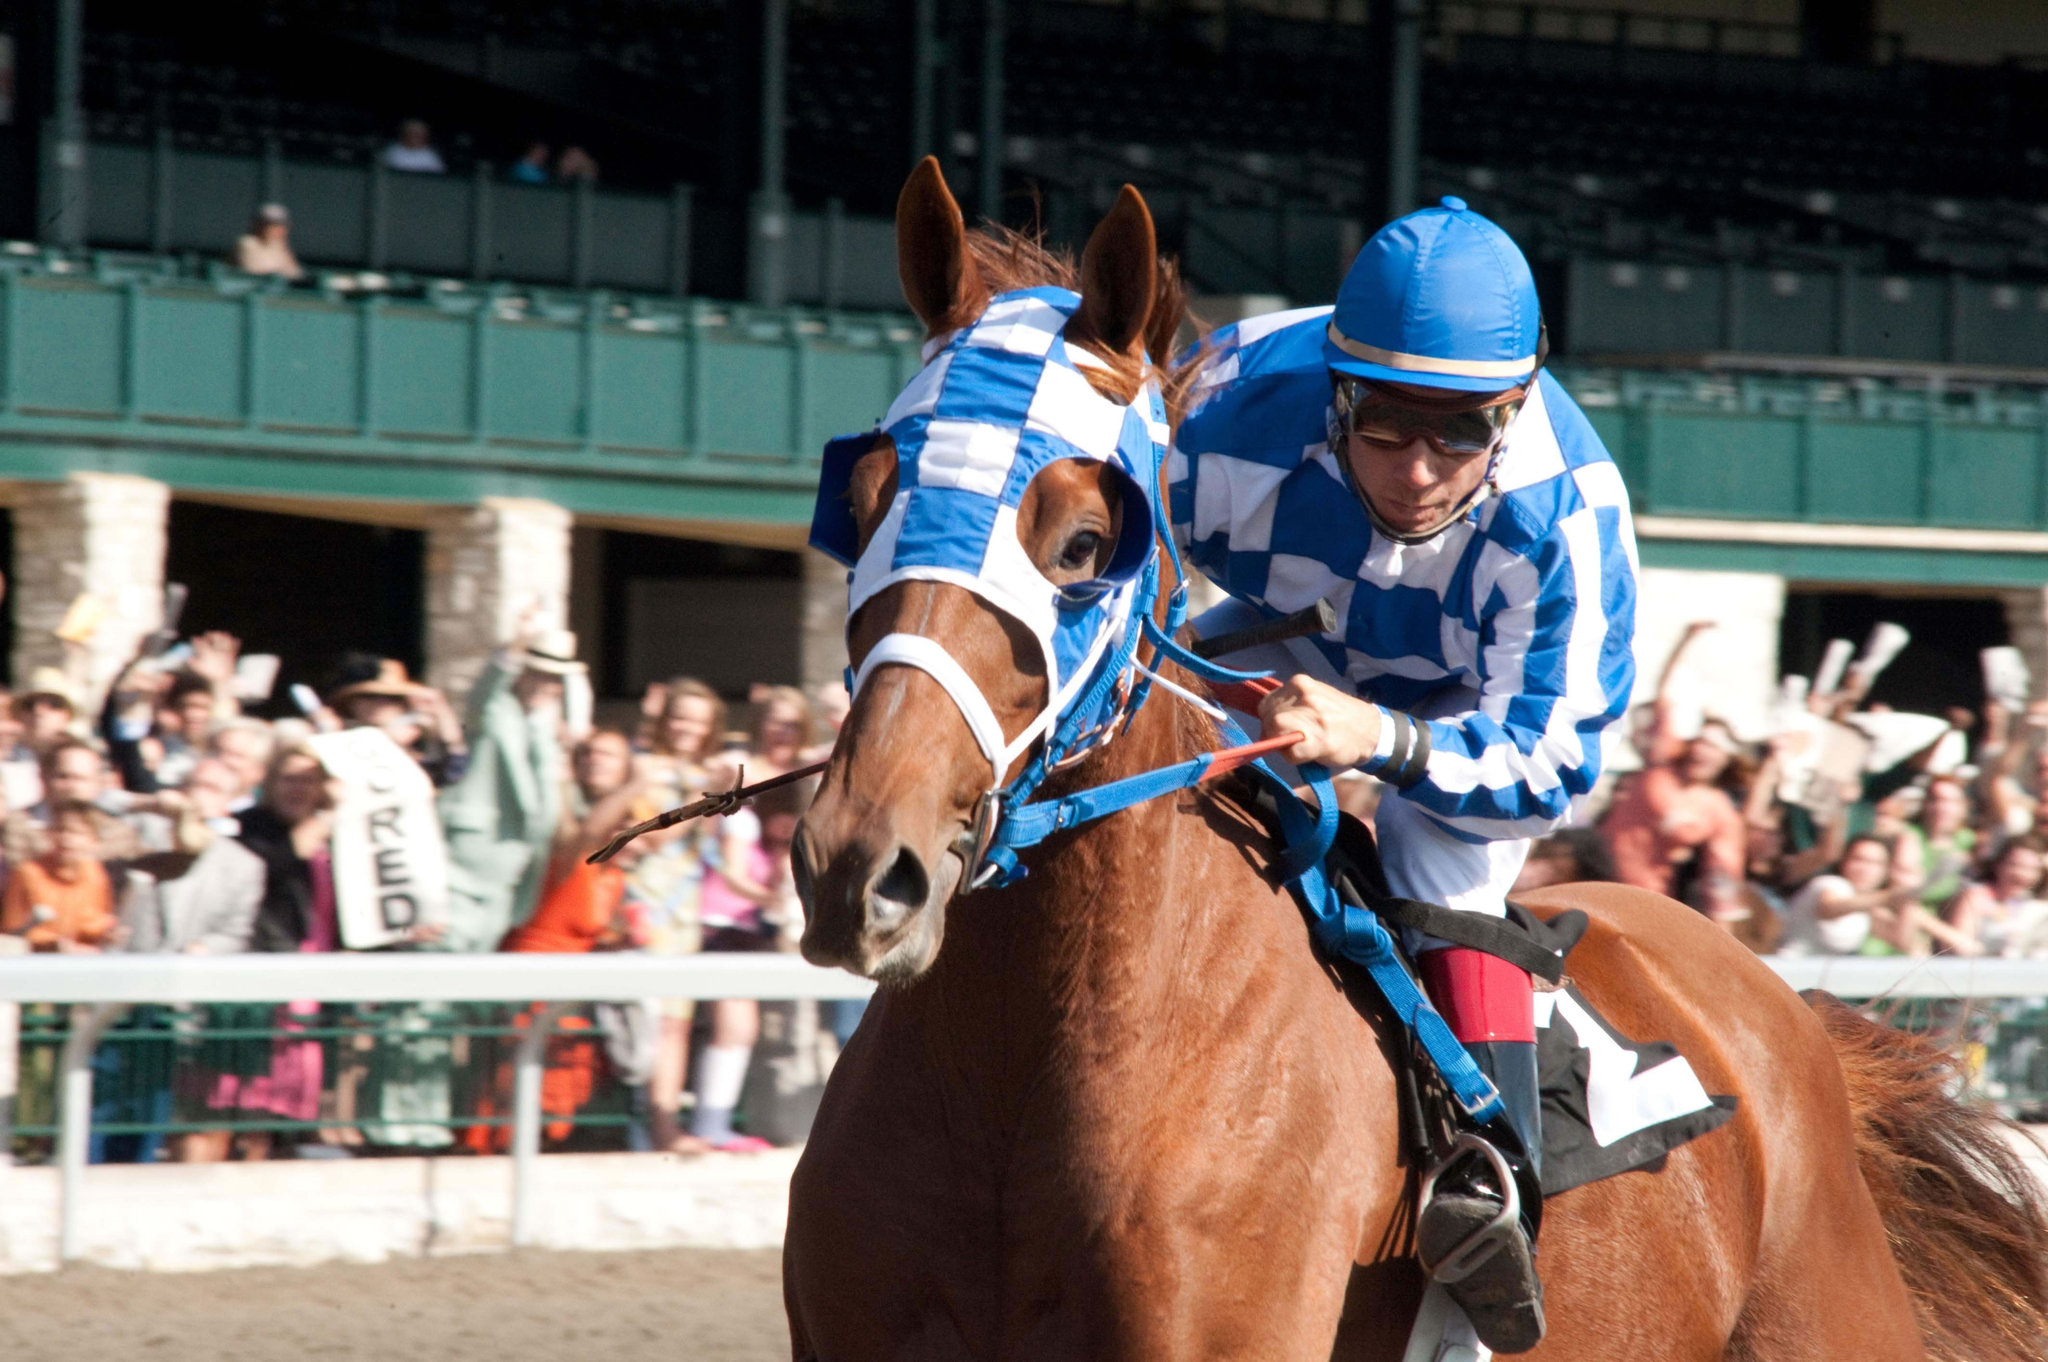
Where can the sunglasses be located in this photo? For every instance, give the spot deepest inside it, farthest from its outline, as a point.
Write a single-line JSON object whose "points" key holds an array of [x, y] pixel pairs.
{"points": [[1458, 425]]}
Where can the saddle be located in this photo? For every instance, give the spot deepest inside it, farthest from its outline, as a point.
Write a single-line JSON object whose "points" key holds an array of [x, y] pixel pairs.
{"points": [[1611, 1104]]}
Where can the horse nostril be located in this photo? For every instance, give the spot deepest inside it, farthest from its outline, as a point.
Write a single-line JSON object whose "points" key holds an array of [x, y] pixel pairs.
{"points": [[898, 891]]}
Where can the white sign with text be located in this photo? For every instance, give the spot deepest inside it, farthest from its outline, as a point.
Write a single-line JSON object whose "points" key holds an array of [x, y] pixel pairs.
{"points": [[390, 865]]}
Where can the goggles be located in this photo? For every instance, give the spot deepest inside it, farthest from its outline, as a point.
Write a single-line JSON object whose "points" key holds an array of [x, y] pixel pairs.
{"points": [[1457, 425]]}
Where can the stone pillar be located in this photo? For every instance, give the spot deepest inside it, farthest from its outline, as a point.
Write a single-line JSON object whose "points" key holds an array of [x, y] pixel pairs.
{"points": [[821, 654], [2026, 617], [1732, 672], [93, 533], [493, 570]]}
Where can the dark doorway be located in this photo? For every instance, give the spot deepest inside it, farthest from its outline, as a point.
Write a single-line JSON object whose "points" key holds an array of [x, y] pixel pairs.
{"points": [[726, 614], [308, 590], [1939, 668]]}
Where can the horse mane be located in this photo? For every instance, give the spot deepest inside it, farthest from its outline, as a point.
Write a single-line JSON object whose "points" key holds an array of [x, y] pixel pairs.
{"points": [[1010, 259]]}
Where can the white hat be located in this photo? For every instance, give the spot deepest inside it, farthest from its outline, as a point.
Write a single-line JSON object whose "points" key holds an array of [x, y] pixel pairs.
{"points": [[53, 682], [552, 650]]}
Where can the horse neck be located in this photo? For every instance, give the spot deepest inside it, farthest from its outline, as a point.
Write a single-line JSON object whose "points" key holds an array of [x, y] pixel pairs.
{"points": [[1107, 927]]}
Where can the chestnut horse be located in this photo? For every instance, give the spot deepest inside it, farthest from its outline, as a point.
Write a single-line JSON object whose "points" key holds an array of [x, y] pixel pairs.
{"points": [[1127, 1112]]}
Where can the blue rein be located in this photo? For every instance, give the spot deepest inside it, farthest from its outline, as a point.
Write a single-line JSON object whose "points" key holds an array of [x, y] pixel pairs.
{"points": [[1340, 930]]}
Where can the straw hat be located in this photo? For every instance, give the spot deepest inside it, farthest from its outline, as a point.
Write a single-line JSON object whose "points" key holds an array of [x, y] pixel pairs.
{"points": [[390, 682], [552, 651], [50, 682]]}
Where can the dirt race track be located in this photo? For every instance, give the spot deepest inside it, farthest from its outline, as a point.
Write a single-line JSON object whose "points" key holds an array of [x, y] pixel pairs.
{"points": [[703, 1305]]}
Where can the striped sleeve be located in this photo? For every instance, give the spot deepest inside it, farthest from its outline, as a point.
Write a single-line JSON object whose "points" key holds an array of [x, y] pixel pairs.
{"points": [[1556, 665]]}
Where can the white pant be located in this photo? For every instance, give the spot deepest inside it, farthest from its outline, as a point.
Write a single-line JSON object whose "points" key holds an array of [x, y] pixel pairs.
{"points": [[1423, 860]]}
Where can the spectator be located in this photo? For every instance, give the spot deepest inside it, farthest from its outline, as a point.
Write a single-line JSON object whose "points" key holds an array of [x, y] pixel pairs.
{"points": [[1948, 844], [63, 900], [685, 717], [73, 772], [157, 721], [1672, 828], [743, 908], [416, 717], [289, 833], [246, 746], [266, 248], [1843, 912], [47, 709], [21, 782], [414, 152], [682, 720], [782, 732], [184, 724], [602, 786], [1890, 819], [210, 789], [532, 167], [577, 166], [2005, 915], [502, 815], [586, 911], [2011, 808], [830, 705], [200, 899]]}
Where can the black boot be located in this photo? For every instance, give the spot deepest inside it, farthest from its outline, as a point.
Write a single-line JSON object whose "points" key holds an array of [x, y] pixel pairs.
{"points": [[1486, 1259]]}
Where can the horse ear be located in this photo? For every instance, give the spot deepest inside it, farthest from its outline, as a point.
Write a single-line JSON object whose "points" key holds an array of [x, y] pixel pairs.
{"points": [[1119, 273], [939, 276]]}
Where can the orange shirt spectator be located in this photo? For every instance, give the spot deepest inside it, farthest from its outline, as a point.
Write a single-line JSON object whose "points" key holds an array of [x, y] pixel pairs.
{"points": [[580, 914], [63, 900]]}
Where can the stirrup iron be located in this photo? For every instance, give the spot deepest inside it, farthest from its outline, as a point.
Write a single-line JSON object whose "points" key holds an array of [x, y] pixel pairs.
{"points": [[1473, 1252]]}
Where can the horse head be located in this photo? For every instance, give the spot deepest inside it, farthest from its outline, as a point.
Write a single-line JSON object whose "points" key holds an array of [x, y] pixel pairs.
{"points": [[994, 556]]}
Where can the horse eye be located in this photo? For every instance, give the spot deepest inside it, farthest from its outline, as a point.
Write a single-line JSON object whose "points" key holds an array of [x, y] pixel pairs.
{"points": [[1080, 550]]}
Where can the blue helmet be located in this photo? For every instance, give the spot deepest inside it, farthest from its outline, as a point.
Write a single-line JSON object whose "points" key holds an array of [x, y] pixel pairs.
{"points": [[1442, 298]]}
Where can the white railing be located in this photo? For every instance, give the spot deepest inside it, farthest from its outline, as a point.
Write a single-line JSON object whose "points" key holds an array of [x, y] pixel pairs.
{"points": [[104, 987], [1944, 976]]}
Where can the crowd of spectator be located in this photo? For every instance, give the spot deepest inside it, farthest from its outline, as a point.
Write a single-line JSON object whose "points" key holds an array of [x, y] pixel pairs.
{"points": [[167, 819], [1850, 830], [171, 821]]}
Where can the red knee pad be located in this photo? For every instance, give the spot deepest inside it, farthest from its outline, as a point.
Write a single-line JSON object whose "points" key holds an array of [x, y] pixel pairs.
{"points": [[1482, 996]]}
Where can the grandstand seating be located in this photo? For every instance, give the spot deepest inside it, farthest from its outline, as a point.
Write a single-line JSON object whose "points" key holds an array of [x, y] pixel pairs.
{"points": [[1662, 144]]}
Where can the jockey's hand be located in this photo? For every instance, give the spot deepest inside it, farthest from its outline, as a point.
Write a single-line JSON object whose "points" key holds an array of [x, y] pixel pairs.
{"points": [[1336, 729]]}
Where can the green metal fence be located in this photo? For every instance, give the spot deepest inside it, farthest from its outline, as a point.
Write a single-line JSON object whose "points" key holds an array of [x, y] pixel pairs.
{"points": [[440, 391], [417, 1076], [639, 406], [1750, 447]]}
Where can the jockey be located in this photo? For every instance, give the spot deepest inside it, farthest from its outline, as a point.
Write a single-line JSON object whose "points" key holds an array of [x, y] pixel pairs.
{"points": [[1404, 457]]}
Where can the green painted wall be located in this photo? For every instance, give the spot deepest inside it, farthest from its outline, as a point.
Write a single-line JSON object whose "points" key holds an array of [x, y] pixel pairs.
{"points": [[692, 410]]}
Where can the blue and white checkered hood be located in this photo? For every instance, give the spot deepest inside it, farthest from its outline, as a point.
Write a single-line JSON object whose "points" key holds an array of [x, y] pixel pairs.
{"points": [[995, 404]]}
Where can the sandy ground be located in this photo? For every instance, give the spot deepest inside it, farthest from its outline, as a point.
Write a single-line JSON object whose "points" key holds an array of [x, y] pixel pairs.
{"points": [[701, 1304]]}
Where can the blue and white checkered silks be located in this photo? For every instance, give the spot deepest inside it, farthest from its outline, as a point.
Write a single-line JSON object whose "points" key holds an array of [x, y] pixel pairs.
{"points": [[996, 403], [1521, 614]]}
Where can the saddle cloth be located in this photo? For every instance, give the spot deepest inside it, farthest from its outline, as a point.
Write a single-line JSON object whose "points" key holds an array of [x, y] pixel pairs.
{"points": [[1611, 1104]]}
